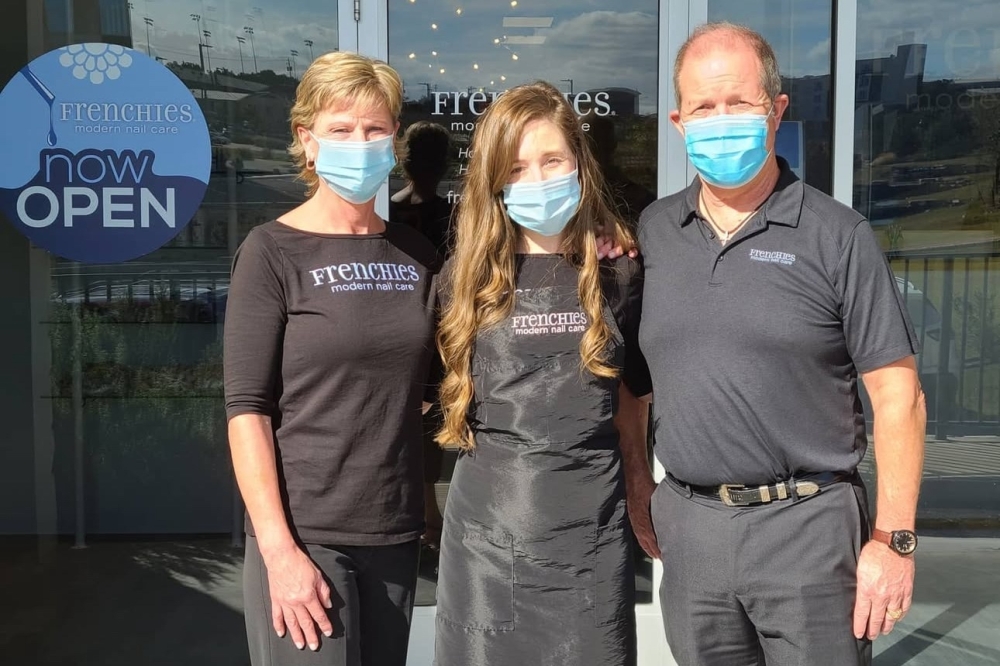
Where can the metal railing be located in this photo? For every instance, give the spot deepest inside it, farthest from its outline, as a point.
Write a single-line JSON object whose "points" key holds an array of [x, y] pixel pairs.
{"points": [[954, 302]]}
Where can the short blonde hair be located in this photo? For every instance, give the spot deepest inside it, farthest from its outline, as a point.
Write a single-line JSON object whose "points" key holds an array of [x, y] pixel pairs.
{"points": [[339, 80]]}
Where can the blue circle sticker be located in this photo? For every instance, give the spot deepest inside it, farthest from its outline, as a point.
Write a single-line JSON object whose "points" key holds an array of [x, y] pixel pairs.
{"points": [[107, 155]]}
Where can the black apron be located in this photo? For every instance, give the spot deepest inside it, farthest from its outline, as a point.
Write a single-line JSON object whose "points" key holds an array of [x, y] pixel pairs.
{"points": [[536, 558]]}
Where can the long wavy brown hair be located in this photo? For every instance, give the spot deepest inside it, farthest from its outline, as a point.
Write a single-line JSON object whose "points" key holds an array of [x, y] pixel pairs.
{"points": [[482, 270]]}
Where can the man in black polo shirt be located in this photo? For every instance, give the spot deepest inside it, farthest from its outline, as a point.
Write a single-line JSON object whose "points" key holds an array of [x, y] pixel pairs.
{"points": [[765, 301]]}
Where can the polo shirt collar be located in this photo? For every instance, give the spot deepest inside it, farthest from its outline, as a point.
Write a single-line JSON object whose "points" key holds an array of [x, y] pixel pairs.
{"points": [[783, 206]]}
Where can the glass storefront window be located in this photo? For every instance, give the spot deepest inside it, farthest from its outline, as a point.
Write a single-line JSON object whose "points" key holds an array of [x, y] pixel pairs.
{"points": [[801, 34], [927, 176], [118, 428], [455, 59]]}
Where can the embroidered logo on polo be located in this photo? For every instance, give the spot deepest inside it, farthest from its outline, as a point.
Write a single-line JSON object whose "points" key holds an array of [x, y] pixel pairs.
{"points": [[366, 277], [769, 257]]}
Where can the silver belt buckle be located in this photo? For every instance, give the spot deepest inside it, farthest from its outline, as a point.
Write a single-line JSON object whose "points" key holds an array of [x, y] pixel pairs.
{"points": [[806, 488], [726, 498]]}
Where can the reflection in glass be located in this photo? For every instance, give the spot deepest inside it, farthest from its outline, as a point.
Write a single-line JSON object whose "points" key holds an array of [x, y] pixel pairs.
{"points": [[927, 176], [454, 62], [800, 34], [129, 434]]}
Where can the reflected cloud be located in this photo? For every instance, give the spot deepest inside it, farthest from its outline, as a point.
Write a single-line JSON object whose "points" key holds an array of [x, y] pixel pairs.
{"points": [[962, 38], [585, 51], [278, 29]]}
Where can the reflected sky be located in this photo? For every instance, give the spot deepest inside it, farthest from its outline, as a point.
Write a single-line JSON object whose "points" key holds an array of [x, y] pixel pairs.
{"points": [[445, 45], [279, 27], [962, 36], [799, 32]]}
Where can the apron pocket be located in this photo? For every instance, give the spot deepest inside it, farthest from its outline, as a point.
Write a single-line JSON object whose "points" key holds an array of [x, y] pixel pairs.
{"points": [[614, 575], [479, 594]]}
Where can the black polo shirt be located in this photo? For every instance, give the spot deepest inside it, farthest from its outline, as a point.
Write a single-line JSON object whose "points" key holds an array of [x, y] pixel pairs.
{"points": [[755, 347]]}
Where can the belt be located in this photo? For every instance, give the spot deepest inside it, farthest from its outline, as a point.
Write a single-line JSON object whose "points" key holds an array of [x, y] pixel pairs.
{"points": [[736, 494]]}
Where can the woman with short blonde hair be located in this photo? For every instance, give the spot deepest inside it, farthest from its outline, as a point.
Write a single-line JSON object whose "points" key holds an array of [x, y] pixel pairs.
{"points": [[328, 345], [536, 339]]}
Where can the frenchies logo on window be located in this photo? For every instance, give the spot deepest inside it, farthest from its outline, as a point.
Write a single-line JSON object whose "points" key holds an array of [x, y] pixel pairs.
{"points": [[107, 154]]}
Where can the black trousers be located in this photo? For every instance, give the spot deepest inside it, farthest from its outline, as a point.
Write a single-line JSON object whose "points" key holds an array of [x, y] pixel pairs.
{"points": [[372, 592], [773, 584]]}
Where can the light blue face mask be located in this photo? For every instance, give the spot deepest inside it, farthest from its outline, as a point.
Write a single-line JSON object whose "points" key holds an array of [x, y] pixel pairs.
{"points": [[728, 150], [355, 169], [545, 207]]}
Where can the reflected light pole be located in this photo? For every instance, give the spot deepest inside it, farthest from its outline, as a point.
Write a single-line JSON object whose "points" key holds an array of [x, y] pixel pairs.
{"points": [[148, 21], [242, 41], [201, 54], [208, 55], [249, 31]]}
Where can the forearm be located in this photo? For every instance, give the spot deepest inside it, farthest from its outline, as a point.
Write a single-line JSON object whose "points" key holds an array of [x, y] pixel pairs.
{"points": [[899, 459], [251, 443], [631, 420]]}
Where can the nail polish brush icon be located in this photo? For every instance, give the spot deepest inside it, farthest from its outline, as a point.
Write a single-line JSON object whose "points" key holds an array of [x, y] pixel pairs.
{"points": [[49, 99]]}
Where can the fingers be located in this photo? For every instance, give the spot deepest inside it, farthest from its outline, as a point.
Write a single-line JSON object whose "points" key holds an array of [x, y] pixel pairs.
{"points": [[306, 621], [862, 610], [318, 616], [277, 619], [294, 630], [897, 609], [876, 618], [325, 595]]}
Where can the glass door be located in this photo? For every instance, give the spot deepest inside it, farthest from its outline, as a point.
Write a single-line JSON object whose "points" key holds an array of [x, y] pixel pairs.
{"points": [[455, 58]]}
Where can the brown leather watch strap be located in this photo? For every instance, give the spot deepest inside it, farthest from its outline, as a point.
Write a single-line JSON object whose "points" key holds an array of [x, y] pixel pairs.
{"points": [[882, 536]]}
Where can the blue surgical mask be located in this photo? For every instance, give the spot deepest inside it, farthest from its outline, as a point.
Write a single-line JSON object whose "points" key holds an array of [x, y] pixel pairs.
{"points": [[355, 169], [728, 150], [545, 207]]}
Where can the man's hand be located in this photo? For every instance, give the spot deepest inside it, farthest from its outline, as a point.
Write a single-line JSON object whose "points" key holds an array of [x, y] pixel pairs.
{"points": [[885, 590], [299, 597], [639, 492]]}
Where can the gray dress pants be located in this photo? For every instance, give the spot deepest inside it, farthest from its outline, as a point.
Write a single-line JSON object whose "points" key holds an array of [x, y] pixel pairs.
{"points": [[372, 591], [772, 584]]}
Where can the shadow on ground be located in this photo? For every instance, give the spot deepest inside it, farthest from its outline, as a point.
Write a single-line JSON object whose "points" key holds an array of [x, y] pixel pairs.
{"points": [[121, 604]]}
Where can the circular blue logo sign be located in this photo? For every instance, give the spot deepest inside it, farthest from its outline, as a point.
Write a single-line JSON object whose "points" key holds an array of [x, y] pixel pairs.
{"points": [[106, 153]]}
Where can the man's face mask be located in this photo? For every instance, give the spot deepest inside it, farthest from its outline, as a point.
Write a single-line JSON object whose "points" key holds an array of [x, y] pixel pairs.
{"points": [[728, 150]]}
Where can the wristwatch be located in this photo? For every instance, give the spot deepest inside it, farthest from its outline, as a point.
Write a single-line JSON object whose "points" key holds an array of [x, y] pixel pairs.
{"points": [[901, 542]]}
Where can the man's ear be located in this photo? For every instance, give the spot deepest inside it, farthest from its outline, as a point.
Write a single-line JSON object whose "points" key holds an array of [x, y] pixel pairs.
{"points": [[675, 118]]}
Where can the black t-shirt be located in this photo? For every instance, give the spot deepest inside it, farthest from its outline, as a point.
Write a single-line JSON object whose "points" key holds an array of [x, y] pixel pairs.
{"points": [[755, 347], [332, 336]]}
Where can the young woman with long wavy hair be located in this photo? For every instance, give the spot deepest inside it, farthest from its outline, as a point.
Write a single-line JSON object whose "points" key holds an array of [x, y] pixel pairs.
{"points": [[537, 336]]}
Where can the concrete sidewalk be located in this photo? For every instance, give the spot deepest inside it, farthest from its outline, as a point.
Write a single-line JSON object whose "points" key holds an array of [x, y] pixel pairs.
{"points": [[170, 603]]}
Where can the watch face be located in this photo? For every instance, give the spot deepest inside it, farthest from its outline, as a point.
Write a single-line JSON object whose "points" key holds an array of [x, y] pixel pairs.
{"points": [[904, 542]]}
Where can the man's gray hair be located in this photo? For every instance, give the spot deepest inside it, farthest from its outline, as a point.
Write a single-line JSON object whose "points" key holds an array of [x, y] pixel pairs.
{"points": [[770, 79]]}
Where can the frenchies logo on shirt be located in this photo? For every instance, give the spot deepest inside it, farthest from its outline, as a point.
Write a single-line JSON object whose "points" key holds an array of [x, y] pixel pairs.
{"points": [[370, 276], [551, 323], [772, 257]]}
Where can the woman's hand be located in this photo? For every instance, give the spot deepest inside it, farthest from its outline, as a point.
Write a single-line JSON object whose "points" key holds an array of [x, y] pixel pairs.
{"points": [[300, 597]]}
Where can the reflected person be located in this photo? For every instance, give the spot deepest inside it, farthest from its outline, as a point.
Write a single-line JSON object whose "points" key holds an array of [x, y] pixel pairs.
{"points": [[629, 197], [328, 346], [425, 159]]}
